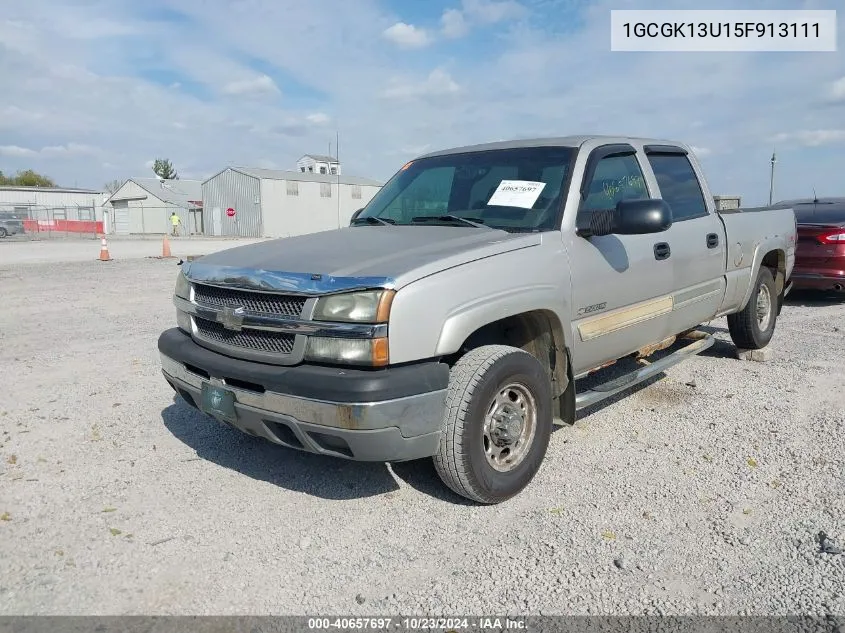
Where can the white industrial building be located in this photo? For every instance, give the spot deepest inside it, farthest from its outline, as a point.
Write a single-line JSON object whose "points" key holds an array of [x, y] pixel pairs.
{"points": [[252, 202], [318, 164], [53, 209], [144, 205]]}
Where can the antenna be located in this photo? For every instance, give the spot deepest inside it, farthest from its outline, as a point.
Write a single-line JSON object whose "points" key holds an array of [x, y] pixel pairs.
{"points": [[772, 177], [337, 151], [815, 197]]}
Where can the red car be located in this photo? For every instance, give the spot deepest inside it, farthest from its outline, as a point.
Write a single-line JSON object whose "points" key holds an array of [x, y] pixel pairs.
{"points": [[820, 252]]}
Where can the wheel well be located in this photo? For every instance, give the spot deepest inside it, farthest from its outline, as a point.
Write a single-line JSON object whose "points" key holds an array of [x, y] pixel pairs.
{"points": [[538, 332], [776, 262]]}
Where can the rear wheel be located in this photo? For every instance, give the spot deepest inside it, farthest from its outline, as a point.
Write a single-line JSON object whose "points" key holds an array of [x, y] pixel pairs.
{"points": [[498, 423], [754, 325]]}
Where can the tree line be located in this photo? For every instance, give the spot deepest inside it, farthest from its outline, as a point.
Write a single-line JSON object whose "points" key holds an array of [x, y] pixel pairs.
{"points": [[162, 168], [25, 178]]}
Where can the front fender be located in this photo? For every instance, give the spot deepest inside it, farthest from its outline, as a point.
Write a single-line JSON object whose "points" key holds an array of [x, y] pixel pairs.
{"points": [[433, 316], [467, 318]]}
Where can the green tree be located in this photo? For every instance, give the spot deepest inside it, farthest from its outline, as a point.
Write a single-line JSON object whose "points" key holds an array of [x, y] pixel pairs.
{"points": [[163, 168], [26, 178]]}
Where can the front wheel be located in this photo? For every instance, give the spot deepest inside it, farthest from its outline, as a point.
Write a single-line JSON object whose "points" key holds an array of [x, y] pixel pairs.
{"points": [[498, 424], [3, 232], [754, 325]]}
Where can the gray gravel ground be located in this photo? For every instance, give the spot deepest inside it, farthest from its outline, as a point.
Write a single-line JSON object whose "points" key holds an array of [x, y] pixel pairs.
{"points": [[116, 498], [33, 249]]}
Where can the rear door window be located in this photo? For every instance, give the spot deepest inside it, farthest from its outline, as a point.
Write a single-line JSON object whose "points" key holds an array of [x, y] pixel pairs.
{"points": [[679, 185]]}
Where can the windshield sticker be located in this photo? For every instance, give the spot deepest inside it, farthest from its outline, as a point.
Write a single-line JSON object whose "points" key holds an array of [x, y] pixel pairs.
{"points": [[516, 193]]}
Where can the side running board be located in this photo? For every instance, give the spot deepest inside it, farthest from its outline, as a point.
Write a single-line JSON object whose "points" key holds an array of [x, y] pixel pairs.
{"points": [[611, 388]]}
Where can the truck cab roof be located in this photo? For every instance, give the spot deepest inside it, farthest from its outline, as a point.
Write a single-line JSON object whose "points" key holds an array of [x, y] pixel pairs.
{"points": [[555, 141]]}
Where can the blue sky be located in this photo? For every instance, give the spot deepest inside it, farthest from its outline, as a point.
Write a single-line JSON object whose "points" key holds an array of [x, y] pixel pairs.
{"points": [[94, 90]]}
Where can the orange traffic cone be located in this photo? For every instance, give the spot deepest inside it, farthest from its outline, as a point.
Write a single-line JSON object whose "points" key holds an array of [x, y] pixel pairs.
{"points": [[104, 251], [165, 247]]}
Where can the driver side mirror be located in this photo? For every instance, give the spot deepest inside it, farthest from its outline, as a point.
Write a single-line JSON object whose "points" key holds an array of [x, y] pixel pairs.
{"points": [[630, 217], [355, 215]]}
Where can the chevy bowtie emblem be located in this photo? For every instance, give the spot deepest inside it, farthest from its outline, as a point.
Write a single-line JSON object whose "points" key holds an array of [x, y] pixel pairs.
{"points": [[231, 318]]}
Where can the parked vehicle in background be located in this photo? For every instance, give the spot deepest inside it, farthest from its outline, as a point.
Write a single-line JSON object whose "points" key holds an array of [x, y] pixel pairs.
{"points": [[820, 253], [10, 224], [453, 317]]}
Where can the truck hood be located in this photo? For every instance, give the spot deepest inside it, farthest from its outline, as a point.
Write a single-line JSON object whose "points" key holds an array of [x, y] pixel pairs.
{"points": [[401, 254]]}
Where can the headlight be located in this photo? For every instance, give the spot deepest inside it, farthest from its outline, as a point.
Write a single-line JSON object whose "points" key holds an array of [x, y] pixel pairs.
{"points": [[371, 352], [183, 286], [370, 306]]}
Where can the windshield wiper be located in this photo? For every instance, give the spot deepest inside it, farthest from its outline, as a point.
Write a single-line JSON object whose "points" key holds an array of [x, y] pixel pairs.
{"points": [[476, 222], [371, 219]]}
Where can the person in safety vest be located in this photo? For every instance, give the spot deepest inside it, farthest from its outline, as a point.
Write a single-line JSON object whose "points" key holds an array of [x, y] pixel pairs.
{"points": [[175, 221]]}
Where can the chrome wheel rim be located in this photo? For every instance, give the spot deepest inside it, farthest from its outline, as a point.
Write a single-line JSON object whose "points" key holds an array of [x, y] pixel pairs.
{"points": [[509, 427], [764, 307]]}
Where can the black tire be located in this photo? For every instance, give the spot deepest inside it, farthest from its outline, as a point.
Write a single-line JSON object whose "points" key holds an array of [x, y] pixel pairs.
{"points": [[744, 326], [476, 379], [3, 232]]}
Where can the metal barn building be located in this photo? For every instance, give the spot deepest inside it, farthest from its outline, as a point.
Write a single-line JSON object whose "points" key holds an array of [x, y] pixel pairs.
{"points": [[251, 202], [144, 205], [53, 209]]}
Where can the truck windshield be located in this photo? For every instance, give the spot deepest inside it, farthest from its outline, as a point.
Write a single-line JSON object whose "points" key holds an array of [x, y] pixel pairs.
{"points": [[516, 190]]}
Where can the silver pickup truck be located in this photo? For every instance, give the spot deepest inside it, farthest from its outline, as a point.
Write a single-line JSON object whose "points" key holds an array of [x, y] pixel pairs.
{"points": [[455, 314]]}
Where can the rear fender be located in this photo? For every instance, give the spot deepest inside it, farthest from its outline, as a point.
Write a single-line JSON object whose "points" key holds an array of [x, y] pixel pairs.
{"points": [[773, 244]]}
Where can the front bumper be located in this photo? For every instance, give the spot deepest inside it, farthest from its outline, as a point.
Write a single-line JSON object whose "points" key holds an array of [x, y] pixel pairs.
{"points": [[386, 415]]}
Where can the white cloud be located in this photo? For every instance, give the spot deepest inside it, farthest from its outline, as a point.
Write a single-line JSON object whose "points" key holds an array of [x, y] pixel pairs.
{"points": [[51, 151], [453, 23], [70, 149], [16, 150], [317, 118], [407, 35], [812, 138], [491, 12], [439, 83], [836, 91], [701, 152], [416, 150], [261, 85]]}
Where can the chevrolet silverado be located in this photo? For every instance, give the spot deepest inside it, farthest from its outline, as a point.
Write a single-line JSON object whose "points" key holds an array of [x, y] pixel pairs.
{"points": [[452, 318]]}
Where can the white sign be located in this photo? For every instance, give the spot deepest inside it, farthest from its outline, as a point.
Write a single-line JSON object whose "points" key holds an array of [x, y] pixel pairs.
{"points": [[516, 193], [723, 31]]}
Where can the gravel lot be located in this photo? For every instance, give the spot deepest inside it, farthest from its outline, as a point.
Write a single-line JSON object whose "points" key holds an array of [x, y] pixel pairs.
{"points": [[24, 249], [703, 492]]}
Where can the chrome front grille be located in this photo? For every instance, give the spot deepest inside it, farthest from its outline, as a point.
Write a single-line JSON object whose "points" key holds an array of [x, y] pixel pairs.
{"points": [[246, 339], [261, 302]]}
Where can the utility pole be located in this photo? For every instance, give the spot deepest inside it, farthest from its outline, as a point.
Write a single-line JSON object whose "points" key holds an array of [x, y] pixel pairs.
{"points": [[772, 178], [337, 151]]}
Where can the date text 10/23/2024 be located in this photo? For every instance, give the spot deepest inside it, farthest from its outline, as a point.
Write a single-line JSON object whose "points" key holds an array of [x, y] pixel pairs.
{"points": [[444, 624]]}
